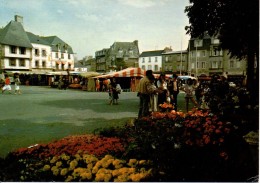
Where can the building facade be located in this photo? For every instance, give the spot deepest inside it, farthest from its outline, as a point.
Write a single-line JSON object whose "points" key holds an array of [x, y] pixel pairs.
{"points": [[119, 56], [175, 62], [152, 60], [25, 51]]}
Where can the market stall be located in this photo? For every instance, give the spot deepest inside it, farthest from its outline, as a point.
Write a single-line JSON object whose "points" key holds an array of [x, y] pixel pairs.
{"points": [[127, 78]]}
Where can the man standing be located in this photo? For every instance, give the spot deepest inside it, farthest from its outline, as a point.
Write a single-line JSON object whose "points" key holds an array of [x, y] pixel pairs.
{"points": [[174, 91], [144, 91]]}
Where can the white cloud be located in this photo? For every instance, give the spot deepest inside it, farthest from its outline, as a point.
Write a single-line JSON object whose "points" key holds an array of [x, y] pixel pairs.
{"points": [[143, 3], [60, 11]]}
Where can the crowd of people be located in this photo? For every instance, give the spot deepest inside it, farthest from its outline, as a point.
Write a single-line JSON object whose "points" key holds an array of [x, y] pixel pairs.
{"points": [[155, 92], [6, 84]]}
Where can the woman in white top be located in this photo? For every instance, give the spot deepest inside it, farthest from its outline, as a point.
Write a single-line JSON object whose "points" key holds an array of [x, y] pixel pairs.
{"points": [[189, 90]]}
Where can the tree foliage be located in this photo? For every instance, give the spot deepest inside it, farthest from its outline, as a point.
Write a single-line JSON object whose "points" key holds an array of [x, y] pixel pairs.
{"points": [[236, 23]]}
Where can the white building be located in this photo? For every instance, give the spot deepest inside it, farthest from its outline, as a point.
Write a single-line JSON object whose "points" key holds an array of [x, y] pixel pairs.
{"points": [[25, 51], [151, 60]]}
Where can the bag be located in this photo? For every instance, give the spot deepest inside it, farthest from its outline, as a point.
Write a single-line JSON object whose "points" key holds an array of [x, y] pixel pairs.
{"points": [[118, 88]]}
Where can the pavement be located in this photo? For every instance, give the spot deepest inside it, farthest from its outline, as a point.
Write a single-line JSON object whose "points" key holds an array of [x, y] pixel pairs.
{"points": [[42, 114]]}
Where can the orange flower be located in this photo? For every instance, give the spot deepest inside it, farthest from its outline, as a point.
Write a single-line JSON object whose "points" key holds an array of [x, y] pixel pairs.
{"points": [[217, 131]]}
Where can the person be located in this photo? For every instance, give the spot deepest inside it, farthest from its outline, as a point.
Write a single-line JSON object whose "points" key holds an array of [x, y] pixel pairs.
{"points": [[153, 96], [97, 85], [113, 93], [188, 89], [17, 85], [173, 88], [7, 85], [144, 90], [162, 86]]}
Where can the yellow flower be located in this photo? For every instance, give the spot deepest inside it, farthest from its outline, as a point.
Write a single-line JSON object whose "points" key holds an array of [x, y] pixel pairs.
{"points": [[58, 164], [142, 162], [73, 164], [54, 159], [77, 156], [135, 177], [65, 157], [132, 162], [86, 175], [122, 178], [69, 178], [63, 171], [95, 169], [99, 177], [108, 157], [46, 167], [115, 173], [107, 177], [90, 166]]}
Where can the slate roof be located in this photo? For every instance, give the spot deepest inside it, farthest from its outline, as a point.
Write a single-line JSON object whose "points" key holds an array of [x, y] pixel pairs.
{"points": [[54, 41], [125, 46], [152, 53], [36, 39], [14, 34]]}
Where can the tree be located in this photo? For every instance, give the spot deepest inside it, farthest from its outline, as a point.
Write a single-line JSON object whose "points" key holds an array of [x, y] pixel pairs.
{"points": [[236, 24]]}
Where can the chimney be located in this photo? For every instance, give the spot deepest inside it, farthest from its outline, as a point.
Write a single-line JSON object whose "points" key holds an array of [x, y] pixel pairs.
{"points": [[136, 42], [18, 18]]}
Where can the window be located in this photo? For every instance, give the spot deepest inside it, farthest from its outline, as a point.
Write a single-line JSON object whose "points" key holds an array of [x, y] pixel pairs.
{"points": [[36, 52], [238, 64], [62, 55], [204, 53], [44, 64], [143, 67], [203, 65], [198, 43], [156, 59], [69, 66], [231, 64], [68, 56], [192, 65], [12, 62], [37, 63], [170, 68], [149, 67], [216, 51], [166, 59], [22, 50], [149, 60], [143, 60], [131, 52], [57, 55], [156, 68], [215, 41], [22, 63], [198, 53], [13, 49], [214, 64], [166, 68], [62, 66], [44, 54], [57, 66]]}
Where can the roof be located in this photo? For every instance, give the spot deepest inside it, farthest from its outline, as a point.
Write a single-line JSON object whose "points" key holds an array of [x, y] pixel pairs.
{"points": [[175, 52], [36, 39], [151, 53], [14, 34], [125, 46], [54, 41]]}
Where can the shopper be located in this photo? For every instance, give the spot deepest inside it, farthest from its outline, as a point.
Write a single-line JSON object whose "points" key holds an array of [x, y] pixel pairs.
{"points": [[7, 85]]}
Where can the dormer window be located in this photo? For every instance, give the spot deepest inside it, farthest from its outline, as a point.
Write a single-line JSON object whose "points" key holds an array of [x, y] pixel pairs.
{"points": [[13, 49]]}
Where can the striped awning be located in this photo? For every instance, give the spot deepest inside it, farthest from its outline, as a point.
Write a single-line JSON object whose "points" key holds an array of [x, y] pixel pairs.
{"points": [[129, 72]]}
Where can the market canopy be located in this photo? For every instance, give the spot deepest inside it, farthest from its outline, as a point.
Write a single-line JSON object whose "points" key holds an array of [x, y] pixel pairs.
{"points": [[129, 72], [89, 74]]}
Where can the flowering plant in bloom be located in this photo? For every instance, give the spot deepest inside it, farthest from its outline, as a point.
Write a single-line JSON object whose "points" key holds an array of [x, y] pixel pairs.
{"points": [[92, 144], [86, 167]]}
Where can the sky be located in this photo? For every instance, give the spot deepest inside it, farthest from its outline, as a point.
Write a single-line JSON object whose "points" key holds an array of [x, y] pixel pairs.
{"points": [[91, 25]]}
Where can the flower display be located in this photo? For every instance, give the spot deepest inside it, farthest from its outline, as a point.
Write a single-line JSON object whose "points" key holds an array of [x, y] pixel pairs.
{"points": [[92, 144]]}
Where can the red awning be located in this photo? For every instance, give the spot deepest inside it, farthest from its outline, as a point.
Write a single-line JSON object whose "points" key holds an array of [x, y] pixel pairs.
{"points": [[58, 62]]}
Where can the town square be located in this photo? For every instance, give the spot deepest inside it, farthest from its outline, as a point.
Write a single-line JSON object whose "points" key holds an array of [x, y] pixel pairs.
{"points": [[129, 91]]}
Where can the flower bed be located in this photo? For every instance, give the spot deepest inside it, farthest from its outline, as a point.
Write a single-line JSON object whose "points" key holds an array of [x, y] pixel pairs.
{"points": [[166, 146]]}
